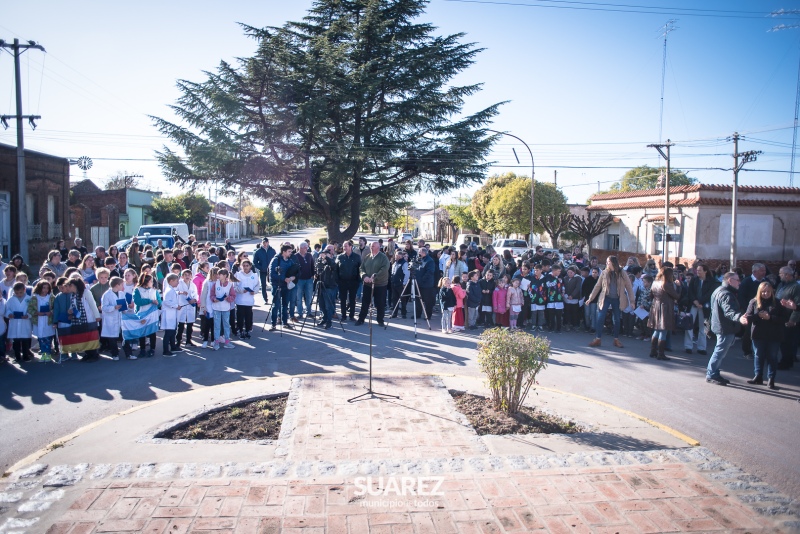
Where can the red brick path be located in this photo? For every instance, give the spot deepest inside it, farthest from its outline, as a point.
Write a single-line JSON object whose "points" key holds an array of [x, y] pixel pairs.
{"points": [[649, 498]]}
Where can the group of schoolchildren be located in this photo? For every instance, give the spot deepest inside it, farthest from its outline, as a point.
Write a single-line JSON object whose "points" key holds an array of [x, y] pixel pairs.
{"points": [[546, 297], [123, 307]]}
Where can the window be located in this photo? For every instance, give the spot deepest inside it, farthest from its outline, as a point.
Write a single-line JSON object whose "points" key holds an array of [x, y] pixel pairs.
{"points": [[30, 206], [52, 209], [613, 241]]}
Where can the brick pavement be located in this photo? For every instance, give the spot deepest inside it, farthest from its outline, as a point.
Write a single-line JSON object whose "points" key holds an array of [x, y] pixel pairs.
{"points": [[421, 424], [621, 499]]}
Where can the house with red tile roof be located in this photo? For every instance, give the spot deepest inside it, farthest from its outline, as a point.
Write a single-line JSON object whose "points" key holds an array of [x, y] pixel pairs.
{"points": [[768, 223]]}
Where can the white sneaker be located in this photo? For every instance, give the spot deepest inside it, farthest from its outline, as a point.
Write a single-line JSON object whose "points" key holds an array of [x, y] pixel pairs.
{"points": [[132, 357], [216, 346], [204, 345], [228, 345], [115, 358]]}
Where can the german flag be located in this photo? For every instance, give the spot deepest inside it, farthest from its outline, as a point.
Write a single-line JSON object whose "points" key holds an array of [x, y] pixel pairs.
{"points": [[79, 338]]}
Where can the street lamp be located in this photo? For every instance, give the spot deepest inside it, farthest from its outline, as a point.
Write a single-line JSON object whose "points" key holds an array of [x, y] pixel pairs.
{"points": [[533, 173]]}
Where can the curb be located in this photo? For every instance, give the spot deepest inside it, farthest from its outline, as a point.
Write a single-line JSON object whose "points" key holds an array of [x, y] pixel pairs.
{"points": [[36, 455]]}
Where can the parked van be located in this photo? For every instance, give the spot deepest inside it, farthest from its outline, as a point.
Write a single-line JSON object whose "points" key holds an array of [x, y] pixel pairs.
{"points": [[165, 229], [466, 239]]}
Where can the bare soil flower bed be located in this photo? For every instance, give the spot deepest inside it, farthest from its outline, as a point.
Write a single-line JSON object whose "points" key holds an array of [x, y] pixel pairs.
{"points": [[486, 420], [253, 420]]}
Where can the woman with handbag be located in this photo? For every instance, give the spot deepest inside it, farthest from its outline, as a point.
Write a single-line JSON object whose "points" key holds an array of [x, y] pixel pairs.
{"points": [[662, 311], [611, 293]]}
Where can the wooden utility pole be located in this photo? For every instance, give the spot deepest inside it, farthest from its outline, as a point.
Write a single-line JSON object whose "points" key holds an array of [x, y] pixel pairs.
{"points": [[22, 209], [664, 241], [747, 157]]}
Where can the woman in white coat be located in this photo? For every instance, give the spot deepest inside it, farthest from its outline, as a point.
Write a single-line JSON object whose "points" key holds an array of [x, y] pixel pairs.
{"points": [[169, 315], [188, 298], [248, 284]]}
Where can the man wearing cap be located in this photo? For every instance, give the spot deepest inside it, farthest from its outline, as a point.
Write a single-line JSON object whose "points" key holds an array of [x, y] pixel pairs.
{"points": [[261, 261]]}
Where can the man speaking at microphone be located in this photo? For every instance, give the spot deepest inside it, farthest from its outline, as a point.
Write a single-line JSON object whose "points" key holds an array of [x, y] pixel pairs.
{"points": [[375, 275]]}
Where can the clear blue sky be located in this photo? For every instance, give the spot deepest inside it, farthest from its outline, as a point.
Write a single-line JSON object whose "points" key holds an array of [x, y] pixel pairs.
{"points": [[583, 79]]}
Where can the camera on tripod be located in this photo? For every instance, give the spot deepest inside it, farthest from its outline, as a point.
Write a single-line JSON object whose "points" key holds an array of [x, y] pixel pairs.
{"points": [[414, 266]]}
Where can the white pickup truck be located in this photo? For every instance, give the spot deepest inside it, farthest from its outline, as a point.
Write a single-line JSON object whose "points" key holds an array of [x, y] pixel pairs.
{"points": [[516, 246]]}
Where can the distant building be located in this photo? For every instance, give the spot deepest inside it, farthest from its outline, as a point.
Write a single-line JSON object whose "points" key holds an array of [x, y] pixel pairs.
{"points": [[103, 217], [47, 202], [768, 220], [224, 222]]}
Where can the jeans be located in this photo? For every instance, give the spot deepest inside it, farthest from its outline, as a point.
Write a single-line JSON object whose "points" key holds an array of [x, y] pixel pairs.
{"points": [[280, 301], [724, 342], [305, 291], [767, 351], [360, 290], [660, 335], [613, 305], [589, 315], [688, 337], [222, 325], [447, 322], [263, 276], [328, 304], [472, 315], [169, 341], [291, 300]]}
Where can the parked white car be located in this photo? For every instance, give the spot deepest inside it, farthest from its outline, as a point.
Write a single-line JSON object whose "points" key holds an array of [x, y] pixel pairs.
{"points": [[516, 246]]}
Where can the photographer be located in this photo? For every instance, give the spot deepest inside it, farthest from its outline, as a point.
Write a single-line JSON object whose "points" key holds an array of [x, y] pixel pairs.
{"points": [[426, 282], [399, 279], [327, 275]]}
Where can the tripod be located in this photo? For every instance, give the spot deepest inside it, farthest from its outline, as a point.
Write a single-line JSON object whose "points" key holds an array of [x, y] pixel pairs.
{"points": [[318, 295], [412, 281], [269, 314], [372, 394]]}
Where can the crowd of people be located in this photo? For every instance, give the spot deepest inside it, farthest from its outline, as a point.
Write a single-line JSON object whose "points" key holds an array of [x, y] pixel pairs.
{"points": [[132, 294]]}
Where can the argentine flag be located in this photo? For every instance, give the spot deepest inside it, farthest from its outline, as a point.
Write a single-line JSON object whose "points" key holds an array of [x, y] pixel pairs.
{"points": [[142, 324]]}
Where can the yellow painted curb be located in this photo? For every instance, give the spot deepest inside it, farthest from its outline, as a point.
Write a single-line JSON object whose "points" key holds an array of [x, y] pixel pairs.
{"points": [[61, 441]]}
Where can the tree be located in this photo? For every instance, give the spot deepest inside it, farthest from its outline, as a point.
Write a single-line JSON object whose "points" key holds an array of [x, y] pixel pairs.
{"points": [[189, 208], [509, 209], [646, 177], [555, 224], [167, 209], [481, 198], [122, 180], [356, 101], [378, 212], [590, 226], [460, 215]]}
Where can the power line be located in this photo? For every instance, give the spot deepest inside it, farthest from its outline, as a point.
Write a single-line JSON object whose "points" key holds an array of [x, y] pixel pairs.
{"points": [[618, 8]]}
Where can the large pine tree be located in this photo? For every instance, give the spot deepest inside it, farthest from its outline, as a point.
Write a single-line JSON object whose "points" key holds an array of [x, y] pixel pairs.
{"points": [[353, 103]]}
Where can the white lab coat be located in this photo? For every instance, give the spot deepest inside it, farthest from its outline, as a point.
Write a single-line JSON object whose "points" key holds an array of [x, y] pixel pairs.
{"points": [[3, 314], [18, 328], [111, 315], [249, 280], [169, 309], [187, 312], [42, 328]]}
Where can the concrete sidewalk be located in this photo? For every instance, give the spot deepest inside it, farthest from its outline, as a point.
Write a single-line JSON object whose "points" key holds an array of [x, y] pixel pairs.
{"points": [[411, 464]]}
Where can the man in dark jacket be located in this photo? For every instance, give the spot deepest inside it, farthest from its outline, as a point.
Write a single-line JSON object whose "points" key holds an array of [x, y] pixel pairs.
{"points": [[328, 280], [261, 261], [398, 281], [282, 272], [427, 283], [747, 292], [726, 316], [348, 264], [788, 293], [375, 275], [305, 283], [700, 290]]}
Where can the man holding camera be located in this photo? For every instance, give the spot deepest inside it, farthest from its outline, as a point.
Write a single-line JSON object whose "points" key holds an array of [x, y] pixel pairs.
{"points": [[427, 283], [328, 280], [375, 275], [400, 277]]}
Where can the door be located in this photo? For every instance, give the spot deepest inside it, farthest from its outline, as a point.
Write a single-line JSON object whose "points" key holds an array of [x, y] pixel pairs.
{"points": [[100, 236]]}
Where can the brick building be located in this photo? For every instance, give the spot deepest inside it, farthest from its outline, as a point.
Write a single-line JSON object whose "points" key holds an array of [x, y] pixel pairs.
{"points": [[768, 223], [103, 217], [47, 200]]}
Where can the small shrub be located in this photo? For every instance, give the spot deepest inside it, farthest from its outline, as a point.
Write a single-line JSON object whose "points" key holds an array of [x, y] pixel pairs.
{"points": [[511, 360], [236, 412], [262, 404]]}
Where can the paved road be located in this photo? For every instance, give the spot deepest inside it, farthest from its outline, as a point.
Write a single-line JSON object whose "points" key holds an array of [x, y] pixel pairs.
{"points": [[751, 426]]}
